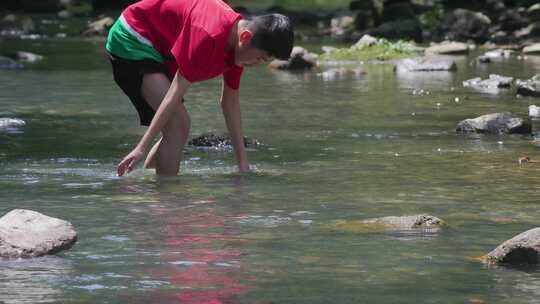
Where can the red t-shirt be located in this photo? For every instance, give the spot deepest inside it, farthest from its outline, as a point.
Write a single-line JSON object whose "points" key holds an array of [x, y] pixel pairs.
{"points": [[190, 34]]}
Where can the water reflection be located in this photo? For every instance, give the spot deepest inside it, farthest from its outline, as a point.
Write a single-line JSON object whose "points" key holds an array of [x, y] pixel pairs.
{"points": [[437, 80], [32, 280]]}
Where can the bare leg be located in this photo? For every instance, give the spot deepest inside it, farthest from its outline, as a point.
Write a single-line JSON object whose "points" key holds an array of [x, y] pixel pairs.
{"points": [[166, 154]]}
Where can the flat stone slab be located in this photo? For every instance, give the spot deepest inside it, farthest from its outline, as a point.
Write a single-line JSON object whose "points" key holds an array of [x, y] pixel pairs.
{"points": [[532, 49], [491, 84], [529, 87], [426, 64], [450, 48], [495, 123], [27, 233], [524, 248]]}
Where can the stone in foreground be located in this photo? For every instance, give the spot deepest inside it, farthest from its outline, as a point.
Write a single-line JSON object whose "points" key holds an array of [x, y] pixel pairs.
{"points": [[521, 249], [426, 64], [495, 123], [27, 233]]}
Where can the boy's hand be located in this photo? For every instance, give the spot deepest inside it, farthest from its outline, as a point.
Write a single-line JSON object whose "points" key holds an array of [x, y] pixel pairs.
{"points": [[130, 161]]}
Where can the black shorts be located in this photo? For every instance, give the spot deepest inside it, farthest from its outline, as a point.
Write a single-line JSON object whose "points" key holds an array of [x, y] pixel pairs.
{"points": [[128, 75]]}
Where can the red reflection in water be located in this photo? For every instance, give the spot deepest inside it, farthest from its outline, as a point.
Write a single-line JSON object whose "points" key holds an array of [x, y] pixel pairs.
{"points": [[203, 265]]}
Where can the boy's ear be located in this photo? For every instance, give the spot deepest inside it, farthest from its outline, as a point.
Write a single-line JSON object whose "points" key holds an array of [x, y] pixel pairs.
{"points": [[245, 36]]}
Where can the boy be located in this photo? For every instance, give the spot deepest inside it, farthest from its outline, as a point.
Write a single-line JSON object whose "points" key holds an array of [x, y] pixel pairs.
{"points": [[159, 47]]}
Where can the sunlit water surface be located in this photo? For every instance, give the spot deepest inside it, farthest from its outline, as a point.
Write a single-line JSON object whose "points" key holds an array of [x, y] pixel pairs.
{"points": [[349, 148]]}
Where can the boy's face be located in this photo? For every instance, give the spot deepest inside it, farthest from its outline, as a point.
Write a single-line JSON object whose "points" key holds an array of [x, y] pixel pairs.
{"points": [[246, 55]]}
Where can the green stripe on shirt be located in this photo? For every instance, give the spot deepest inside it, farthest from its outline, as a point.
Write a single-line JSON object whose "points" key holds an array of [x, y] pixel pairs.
{"points": [[123, 42]]}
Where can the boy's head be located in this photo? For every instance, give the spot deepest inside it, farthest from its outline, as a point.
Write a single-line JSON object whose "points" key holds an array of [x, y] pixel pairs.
{"points": [[262, 38]]}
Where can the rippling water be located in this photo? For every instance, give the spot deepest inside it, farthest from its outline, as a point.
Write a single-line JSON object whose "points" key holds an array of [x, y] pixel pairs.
{"points": [[350, 148]]}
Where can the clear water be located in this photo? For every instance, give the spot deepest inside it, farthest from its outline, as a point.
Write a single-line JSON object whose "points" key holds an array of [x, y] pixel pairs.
{"points": [[346, 149]]}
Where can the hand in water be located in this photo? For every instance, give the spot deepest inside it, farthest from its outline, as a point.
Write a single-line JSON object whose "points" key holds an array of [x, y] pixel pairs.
{"points": [[130, 161]]}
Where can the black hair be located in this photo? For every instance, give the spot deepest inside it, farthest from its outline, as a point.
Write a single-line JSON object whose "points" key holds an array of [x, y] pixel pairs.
{"points": [[273, 34]]}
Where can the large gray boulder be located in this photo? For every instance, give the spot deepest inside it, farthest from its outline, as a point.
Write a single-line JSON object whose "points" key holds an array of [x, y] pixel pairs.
{"points": [[529, 87], [27, 233], [495, 123], [524, 248], [426, 64]]}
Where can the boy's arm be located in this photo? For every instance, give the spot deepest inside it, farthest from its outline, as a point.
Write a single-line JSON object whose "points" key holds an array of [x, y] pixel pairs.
{"points": [[174, 95], [230, 105]]}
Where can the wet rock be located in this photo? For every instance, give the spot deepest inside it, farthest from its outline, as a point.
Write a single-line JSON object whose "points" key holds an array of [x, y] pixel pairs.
{"points": [[219, 141], [426, 64], [26, 233], [494, 82], [28, 57], [529, 87], [463, 25], [9, 64], [407, 222], [524, 248], [300, 59], [534, 111], [364, 42], [532, 49], [498, 53], [7, 123], [448, 48], [484, 59], [99, 27], [495, 123], [421, 222], [409, 29]]}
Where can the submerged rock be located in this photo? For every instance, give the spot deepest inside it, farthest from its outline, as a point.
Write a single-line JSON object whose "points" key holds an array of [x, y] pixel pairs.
{"points": [[426, 64], [448, 48], [28, 57], [390, 223], [219, 141], [521, 249], [27, 233], [339, 73], [6, 123], [493, 83], [9, 64], [529, 87], [495, 123], [300, 59]]}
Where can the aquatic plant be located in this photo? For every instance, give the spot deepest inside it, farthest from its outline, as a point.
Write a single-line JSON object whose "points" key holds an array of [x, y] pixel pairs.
{"points": [[383, 50]]}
